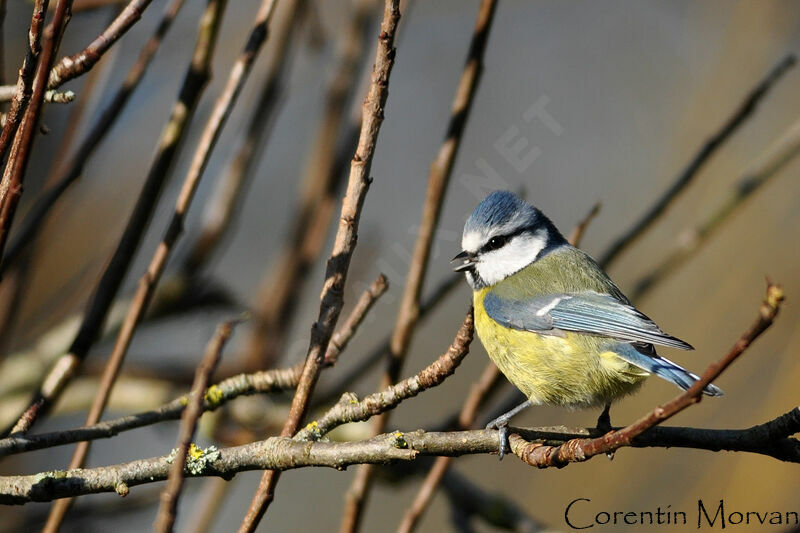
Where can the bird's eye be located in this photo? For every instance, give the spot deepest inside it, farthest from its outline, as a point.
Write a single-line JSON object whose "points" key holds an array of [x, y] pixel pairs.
{"points": [[496, 242]]}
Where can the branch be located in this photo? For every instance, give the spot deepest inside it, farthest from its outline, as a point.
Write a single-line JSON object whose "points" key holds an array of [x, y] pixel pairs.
{"points": [[349, 409], [107, 288], [265, 382], [766, 167], [194, 83], [575, 450], [745, 109], [345, 380], [19, 155], [276, 301], [343, 247], [438, 179], [75, 65], [108, 117], [169, 497], [283, 453], [222, 206]]}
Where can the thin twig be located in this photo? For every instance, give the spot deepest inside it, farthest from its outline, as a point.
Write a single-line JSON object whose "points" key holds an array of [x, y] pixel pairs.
{"points": [[745, 110], [576, 450], [438, 178], [766, 167], [276, 300], [222, 206], [345, 380], [772, 439], [77, 64], [19, 154], [264, 382], [343, 247], [350, 409], [576, 235], [488, 380], [32, 223], [171, 493], [194, 83], [21, 92], [99, 305]]}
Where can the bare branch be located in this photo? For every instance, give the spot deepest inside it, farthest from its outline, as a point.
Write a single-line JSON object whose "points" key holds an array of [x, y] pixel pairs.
{"points": [[108, 117], [316, 205], [745, 109], [282, 453], [767, 166], [543, 456], [264, 382], [169, 497], [349, 409], [438, 178], [343, 247]]}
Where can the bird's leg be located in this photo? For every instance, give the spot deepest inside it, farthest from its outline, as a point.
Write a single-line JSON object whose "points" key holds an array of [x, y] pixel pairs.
{"points": [[604, 420], [604, 425], [501, 424]]}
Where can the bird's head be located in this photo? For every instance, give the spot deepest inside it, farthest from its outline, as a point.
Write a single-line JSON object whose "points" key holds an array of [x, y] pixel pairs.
{"points": [[501, 237]]}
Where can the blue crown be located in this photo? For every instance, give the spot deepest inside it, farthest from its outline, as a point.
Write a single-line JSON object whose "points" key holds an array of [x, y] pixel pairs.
{"points": [[500, 208]]}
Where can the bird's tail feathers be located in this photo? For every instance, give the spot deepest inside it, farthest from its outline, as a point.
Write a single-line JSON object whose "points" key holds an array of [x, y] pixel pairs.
{"points": [[666, 369]]}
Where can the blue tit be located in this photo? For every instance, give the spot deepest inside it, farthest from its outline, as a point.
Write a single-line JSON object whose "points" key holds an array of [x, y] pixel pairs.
{"points": [[551, 319]]}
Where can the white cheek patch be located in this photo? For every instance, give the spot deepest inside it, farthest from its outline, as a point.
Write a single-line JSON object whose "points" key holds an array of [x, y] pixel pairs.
{"points": [[518, 253]]}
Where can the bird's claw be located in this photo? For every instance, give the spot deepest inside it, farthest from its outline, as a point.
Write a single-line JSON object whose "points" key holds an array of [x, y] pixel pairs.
{"points": [[502, 431]]}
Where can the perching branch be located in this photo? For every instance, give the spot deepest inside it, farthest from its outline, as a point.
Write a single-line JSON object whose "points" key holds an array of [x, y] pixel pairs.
{"points": [[576, 450], [281, 453]]}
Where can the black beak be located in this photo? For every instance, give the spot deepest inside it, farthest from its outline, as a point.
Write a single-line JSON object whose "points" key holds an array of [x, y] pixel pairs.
{"points": [[467, 261]]}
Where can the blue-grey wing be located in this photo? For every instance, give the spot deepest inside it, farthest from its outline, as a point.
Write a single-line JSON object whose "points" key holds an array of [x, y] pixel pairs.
{"points": [[589, 312]]}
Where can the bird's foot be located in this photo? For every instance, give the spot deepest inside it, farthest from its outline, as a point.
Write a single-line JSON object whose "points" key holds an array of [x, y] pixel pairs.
{"points": [[604, 421], [501, 425], [604, 426]]}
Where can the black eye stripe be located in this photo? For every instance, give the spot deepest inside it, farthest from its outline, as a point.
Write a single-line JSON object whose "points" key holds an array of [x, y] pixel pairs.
{"points": [[501, 240]]}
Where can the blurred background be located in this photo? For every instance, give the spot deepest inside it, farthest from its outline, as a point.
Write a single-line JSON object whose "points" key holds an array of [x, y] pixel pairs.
{"points": [[630, 92]]}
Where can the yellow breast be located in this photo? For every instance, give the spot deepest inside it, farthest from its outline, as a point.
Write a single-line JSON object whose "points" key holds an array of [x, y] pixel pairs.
{"points": [[571, 369]]}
